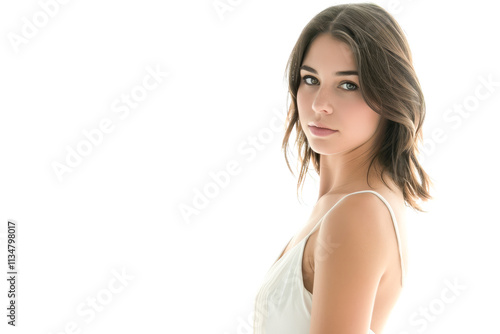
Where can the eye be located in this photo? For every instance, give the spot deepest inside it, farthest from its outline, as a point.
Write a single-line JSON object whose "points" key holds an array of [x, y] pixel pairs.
{"points": [[352, 85], [310, 80], [306, 77]]}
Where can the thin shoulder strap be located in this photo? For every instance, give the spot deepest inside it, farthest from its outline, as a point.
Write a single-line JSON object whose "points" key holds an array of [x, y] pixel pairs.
{"points": [[393, 221]]}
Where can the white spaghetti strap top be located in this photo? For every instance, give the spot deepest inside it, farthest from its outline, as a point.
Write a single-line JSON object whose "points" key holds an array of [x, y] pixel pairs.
{"points": [[283, 304]]}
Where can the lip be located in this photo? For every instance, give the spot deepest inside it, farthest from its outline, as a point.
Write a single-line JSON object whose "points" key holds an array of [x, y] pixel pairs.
{"points": [[321, 132], [319, 125]]}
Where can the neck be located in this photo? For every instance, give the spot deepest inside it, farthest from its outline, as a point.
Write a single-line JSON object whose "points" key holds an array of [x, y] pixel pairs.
{"points": [[346, 172]]}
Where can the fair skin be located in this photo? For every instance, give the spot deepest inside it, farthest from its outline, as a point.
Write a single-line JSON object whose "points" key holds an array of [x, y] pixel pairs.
{"points": [[355, 283]]}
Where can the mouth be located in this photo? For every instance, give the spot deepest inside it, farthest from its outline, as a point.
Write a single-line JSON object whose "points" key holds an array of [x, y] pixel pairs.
{"points": [[317, 131], [320, 126]]}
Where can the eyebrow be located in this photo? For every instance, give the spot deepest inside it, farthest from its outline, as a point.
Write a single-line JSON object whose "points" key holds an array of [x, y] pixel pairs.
{"points": [[310, 69]]}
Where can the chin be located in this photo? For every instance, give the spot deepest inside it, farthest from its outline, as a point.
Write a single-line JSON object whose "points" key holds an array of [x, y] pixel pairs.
{"points": [[324, 149]]}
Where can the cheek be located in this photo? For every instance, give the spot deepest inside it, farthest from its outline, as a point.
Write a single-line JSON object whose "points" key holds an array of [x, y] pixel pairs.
{"points": [[303, 103], [362, 120], [351, 102], [301, 99]]}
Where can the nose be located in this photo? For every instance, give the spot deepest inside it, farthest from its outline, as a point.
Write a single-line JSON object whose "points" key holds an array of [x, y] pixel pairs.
{"points": [[322, 101]]}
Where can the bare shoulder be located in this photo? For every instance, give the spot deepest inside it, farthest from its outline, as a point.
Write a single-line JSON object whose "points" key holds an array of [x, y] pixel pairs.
{"points": [[359, 221], [351, 255], [362, 210]]}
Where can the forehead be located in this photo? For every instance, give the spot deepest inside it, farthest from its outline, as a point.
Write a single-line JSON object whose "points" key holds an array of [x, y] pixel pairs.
{"points": [[328, 52]]}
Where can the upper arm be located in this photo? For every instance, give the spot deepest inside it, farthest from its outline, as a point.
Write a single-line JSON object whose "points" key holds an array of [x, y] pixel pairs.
{"points": [[346, 276]]}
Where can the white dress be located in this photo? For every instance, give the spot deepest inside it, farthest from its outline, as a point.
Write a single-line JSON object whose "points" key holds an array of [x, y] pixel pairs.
{"points": [[283, 304]]}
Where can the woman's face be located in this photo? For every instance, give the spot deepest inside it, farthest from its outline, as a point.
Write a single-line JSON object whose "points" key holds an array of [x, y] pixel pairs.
{"points": [[332, 99]]}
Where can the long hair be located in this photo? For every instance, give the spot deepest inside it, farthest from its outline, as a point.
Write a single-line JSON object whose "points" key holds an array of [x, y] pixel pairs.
{"points": [[389, 86]]}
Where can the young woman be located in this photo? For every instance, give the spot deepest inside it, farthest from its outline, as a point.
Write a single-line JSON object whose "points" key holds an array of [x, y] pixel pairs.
{"points": [[358, 110]]}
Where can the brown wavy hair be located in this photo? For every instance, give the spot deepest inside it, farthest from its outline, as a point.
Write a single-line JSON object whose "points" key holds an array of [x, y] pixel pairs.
{"points": [[389, 86]]}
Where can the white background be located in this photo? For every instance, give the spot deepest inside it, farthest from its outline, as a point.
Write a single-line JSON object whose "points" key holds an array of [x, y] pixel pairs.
{"points": [[119, 209]]}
